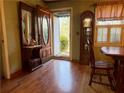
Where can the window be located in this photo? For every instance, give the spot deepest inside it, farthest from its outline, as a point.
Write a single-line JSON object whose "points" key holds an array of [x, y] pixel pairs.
{"points": [[109, 33], [109, 24], [115, 34], [102, 34]]}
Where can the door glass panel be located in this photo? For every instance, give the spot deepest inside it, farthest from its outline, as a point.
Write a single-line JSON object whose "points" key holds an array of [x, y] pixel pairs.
{"points": [[26, 27]]}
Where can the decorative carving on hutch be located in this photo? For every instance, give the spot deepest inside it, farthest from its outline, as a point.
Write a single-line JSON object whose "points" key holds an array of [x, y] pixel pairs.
{"points": [[44, 30]]}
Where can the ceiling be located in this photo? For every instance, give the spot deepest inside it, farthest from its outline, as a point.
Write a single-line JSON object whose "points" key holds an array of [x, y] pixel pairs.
{"points": [[52, 1]]}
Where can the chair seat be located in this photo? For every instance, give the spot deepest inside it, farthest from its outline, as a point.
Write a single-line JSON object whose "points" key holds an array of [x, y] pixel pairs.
{"points": [[103, 65]]}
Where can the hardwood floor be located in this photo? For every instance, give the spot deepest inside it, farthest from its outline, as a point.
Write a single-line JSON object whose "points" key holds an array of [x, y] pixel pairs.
{"points": [[55, 76]]}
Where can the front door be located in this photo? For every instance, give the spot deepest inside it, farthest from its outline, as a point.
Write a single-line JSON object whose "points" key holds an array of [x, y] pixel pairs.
{"points": [[62, 31]]}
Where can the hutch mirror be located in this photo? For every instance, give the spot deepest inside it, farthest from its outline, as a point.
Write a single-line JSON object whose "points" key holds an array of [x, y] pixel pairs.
{"points": [[26, 24], [45, 29]]}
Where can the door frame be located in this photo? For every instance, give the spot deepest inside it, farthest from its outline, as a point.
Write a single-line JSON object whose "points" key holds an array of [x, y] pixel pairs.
{"points": [[5, 56], [71, 24]]}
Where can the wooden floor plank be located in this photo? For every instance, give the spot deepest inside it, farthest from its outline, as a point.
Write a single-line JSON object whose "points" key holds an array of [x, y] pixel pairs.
{"points": [[55, 76]]}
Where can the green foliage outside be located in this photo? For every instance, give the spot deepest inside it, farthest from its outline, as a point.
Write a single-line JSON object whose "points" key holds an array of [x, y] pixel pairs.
{"points": [[63, 43]]}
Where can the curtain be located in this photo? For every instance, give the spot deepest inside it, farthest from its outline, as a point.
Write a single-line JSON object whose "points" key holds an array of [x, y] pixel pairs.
{"points": [[110, 11]]}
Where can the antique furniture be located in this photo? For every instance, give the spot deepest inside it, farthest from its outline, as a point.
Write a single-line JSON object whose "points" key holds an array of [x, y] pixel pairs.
{"points": [[29, 45], [35, 35], [44, 32], [86, 33], [98, 68], [117, 53]]}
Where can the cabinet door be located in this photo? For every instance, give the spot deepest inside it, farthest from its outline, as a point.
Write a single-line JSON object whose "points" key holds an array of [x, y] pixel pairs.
{"points": [[44, 32], [86, 35]]}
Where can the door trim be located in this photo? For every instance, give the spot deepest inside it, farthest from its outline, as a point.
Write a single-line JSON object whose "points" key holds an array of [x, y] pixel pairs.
{"points": [[5, 56]]}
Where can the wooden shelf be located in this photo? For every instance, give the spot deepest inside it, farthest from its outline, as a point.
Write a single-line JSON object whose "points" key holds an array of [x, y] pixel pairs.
{"points": [[34, 46]]}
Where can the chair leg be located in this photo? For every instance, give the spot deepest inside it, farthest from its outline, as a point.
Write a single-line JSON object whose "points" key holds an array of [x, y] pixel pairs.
{"points": [[91, 76], [110, 79]]}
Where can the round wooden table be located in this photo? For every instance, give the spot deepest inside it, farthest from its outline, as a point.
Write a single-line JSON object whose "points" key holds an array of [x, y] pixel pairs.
{"points": [[117, 53]]}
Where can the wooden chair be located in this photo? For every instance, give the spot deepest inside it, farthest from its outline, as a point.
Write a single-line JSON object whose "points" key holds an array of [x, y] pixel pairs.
{"points": [[100, 66]]}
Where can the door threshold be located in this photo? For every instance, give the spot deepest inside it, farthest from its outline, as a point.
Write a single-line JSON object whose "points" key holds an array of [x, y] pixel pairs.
{"points": [[62, 58]]}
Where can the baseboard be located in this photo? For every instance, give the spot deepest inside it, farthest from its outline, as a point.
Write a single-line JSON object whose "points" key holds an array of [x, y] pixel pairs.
{"points": [[1, 77], [61, 58], [75, 60], [66, 58], [16, 74]]}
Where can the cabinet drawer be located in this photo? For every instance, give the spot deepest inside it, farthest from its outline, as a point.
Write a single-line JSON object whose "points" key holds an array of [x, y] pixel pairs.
{"points": [[34, 63]]}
